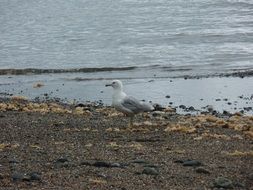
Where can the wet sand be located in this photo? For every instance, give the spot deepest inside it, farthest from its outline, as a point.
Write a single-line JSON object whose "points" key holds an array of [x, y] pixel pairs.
{"points": [[57, 146]]}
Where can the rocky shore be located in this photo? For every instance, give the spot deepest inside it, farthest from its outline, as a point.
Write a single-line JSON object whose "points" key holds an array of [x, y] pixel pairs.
{"points": [[51, 145]]}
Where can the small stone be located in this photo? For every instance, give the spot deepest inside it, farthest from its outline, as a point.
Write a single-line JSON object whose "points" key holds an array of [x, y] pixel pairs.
{"points": [[226, 112], [140, 161], [150, 171], [202, 170], [101, 164], [222, 182], [61, 160], [17, 176], [167, 96], [191, 163], [182, 106], [116, 165], [151, 166], [191, 108], [179, 161], [26, 177], [35, 176], [85, 163], [218, 99]]}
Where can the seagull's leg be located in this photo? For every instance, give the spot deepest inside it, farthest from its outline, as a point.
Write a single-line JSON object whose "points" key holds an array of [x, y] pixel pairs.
{"points": [[131, 121]]}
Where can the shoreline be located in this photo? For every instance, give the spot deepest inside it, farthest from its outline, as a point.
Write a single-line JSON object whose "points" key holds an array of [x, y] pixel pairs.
{"points": [[188, 96], [55, 145]]}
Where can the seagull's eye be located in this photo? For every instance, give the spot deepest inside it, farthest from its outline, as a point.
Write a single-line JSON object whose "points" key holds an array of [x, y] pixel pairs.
{"points": [[113, 82]]}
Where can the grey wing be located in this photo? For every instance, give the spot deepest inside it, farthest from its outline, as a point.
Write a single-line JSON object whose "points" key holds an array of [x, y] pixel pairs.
{"points": [[135, 105]]}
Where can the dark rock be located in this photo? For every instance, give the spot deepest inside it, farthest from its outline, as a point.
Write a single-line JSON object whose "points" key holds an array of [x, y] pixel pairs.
{"points": [[17, 176], [218, 99], [182, 106], [179, 161], [202, 170], [80, 105], [222, 182], [101, 164], [150, 166], [167, 96], [225, 99], [229, 103], [170, 103], [61, 160], [140, 161], [214, 112], [85, 163], [247, 108], [116, 165], [35, 176], [191, 108], [226, 113], [191, 163], [150, 171]]}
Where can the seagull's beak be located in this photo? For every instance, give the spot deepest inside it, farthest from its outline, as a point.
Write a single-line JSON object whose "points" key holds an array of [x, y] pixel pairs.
{"points": [[108, 85]]}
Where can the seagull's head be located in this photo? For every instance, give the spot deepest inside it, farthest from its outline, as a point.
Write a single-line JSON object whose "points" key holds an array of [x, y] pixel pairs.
{"points": [[116, 84]]}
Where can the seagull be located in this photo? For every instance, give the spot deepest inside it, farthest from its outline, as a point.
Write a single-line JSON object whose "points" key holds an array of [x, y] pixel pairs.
{"points": [[127, 104]]}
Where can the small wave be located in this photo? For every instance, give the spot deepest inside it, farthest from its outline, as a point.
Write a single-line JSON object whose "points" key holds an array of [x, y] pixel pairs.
{"points": [[29, 71]]}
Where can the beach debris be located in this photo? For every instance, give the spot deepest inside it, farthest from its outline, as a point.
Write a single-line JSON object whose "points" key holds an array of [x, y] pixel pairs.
{"points": [[176, 151], [110, 129], [4, 146], [19, 98], [180, 128], [97, 181], [38, 85], [240, 153]]}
